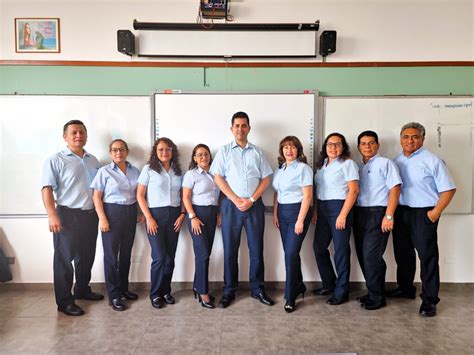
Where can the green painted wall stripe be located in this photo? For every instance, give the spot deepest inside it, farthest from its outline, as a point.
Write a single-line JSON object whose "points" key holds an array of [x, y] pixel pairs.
{"points": [[329, 81]]}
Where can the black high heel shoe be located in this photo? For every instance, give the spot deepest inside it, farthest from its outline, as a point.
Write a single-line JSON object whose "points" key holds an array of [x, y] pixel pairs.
{"points": [[209, 304], [301, 292], [290, 306], [197, 295]]}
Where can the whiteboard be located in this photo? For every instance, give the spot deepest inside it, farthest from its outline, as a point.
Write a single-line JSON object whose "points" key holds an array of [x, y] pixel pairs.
{"points": [[192, 118], [31, 130], [448, 122]]}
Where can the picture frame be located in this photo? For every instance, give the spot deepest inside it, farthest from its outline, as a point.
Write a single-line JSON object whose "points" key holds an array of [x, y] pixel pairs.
{"points": [[37, 35]]}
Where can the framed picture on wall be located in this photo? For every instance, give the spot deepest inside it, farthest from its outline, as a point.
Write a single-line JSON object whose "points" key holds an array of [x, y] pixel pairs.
{"points": [[37, 35]]}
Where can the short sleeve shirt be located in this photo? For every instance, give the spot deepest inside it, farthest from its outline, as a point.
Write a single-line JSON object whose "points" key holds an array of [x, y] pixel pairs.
{"points": [[163, 189], [289, 180], [331, 180]]}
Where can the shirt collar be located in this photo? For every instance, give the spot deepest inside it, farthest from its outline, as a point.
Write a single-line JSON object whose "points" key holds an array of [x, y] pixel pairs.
{"points": [[416, 152], [293, 164], [114, 166], [248, 145], [68, 151], [371, 159]]}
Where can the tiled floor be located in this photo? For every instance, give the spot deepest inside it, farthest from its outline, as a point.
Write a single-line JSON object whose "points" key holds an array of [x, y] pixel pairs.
{"points": [[29, 323]]}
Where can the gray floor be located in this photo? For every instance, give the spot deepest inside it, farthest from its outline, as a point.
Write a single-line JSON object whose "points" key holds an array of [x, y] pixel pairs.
{"points": [[29, 323]]}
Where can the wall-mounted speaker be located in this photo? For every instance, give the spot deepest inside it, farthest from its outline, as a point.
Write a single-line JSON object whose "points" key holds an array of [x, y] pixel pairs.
{"points": [[126, 42], [327, 43]]}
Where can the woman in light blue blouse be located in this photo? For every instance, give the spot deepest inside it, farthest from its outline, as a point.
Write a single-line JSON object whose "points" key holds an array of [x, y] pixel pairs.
{"points": [[336, 182], [159, 197], [115, 191], [293, 184], [201, 198]]}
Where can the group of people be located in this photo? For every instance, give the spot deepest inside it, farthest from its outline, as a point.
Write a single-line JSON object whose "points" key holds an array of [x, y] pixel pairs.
{"points": [[406, 197]]}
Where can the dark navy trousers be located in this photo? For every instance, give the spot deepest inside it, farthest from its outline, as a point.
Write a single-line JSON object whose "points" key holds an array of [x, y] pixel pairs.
{"points": [[118, 243], [370, 243], [233, 220], [76, 242], [202, 245], [163, 249], [414, 230], [287, 216], [325, 232]]}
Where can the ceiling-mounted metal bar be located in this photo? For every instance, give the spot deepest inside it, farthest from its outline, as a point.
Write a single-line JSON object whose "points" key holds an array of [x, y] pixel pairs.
{"points": [[168, 26]]}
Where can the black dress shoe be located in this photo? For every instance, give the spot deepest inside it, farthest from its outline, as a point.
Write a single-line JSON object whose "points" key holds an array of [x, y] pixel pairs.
{"points": [[263, 298], [205, 304], [322, 291], [117, 305], [372, 306], [334, 301], [428, 309], [290, 306], [363, 299], [158, 302], [400, 293], [225, 301], [197, 295], [169, 299], [131, 296], [71, 310], [90, 296]]}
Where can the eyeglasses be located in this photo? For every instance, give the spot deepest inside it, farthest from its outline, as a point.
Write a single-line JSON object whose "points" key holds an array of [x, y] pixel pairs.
{"points": [[116, 150], [202, 155], [164, 150], [334, 145]]}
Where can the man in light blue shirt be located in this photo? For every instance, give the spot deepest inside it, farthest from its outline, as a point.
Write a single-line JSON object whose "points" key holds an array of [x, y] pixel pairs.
{"points": [[68, 174], [242, 173], [427, 190], [379, 189]]}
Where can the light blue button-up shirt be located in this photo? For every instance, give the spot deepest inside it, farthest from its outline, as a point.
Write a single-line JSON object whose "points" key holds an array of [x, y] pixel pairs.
{"points": [[289, 180], [424, 177], [163, 189], [331, 180], [242, 168], [377, 177], [116, 186], [70, 176], [204, 191]]}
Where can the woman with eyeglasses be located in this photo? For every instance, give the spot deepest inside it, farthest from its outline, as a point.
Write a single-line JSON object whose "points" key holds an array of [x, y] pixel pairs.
{"points": [[201, 198], [293, 184], [115, 190], [159, 197], [336, 182]]}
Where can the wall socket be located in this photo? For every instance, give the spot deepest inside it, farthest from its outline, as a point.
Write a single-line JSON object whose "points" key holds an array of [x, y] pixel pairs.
{"points": [[10, 259]]}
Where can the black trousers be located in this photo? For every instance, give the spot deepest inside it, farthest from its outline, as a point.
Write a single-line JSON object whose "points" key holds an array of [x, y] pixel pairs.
{"points": [[325, 232], [118, 243], [202, 246], [76, 242], [370, 243], [163, 249], [414, 230]]}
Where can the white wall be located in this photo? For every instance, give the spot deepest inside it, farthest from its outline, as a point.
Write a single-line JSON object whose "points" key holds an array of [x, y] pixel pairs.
{"points": [[33, 249], [376, 30]]}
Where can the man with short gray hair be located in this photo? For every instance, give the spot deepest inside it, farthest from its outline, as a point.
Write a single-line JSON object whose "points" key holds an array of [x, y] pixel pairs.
{"points": [[426, 191]]}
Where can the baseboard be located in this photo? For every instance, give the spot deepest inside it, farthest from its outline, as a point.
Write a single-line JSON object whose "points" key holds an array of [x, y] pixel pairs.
{"points": [[271, 285]]}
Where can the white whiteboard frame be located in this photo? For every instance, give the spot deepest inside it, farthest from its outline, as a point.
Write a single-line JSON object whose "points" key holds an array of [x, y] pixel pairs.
{"points": [[323, 121]]}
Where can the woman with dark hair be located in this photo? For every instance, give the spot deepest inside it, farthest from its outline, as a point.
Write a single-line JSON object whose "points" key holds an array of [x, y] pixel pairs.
{"points": [[336, 182], [201, 198], [293, 184], [115, 200], [159, 197]]}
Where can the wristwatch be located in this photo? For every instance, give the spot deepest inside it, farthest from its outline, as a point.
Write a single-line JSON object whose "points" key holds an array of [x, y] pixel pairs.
{"points": [[191, 215], [252, 200], [389, 217]]}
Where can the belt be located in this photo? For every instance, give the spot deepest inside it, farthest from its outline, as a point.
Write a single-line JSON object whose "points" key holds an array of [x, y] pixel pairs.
{"points": [[373, 208]]}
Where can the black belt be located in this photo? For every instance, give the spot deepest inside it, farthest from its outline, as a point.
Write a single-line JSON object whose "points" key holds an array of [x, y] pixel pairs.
{"points": [[373, 208]]}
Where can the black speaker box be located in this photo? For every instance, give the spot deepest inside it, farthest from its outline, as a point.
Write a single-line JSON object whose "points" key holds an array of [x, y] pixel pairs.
{"points": [[126, 42], [327, 43]]}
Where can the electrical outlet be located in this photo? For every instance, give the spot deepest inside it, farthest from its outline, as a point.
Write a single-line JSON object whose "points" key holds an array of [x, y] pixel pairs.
{"points": [[11, 260]]}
